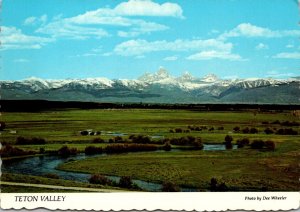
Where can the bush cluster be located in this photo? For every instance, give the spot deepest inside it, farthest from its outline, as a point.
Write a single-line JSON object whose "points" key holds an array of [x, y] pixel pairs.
{"points": [[100, 179], [198, 128], [260, 144], [30, 141], [186, 141], [169, 187], [92, 150], [284, 123], [285, 131], [65, 151], [243, 142], [179, 130], [124, 182], [215, 186], [142, 139], [10, 151], [98, 140]]}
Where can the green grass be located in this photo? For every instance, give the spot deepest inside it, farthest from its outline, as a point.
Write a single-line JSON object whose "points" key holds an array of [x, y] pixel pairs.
{"points": [[243, 169], [61, 127], [22, 178]]}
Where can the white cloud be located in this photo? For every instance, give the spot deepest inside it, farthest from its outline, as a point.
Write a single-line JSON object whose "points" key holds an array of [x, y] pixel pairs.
{"points": [[148, 8], [288, 55], [36, 20], [208, 55], [171, 58], [123, 15], [261, 46], [13, 38], [64, 28], [249, 30], [140, 47], [21, 60]]}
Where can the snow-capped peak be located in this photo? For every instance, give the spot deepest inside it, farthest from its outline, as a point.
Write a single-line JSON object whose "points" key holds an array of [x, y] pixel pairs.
{"points": [[186, 76], [210, 78]]}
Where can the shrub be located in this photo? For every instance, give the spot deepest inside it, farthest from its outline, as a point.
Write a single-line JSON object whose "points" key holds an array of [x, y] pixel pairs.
{"points": [[118, 139], [140, 139], [125, 182], [99, 179], [268, 131], [253, 130], [91, 150], [167, 146], [257, 144], [290, 124], [220, 128], [270, 145], [288, 131], [65, 151], [242, 142], [265, 122], [246, 130], [169, 187], [198, 144], [52, 175], [2, 125], [178, 130], [276, 122], [171, 131], [228, 138], [214, 186], [98, 140], [236, 129], [198, 129], [211, 129]]}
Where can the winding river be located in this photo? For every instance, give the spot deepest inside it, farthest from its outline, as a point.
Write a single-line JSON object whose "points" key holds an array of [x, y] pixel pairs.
{"points": [[42, 165]]}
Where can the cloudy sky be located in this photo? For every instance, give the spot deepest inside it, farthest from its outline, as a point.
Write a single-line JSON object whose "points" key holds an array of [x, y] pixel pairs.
{"points": [[58, 39]]}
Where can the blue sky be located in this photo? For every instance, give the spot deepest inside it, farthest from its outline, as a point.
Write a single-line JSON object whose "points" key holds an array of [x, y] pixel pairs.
{"points": [[58, 39]]}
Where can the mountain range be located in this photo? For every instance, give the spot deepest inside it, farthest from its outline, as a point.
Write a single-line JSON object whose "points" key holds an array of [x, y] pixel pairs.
{"points": [[159, 87]]}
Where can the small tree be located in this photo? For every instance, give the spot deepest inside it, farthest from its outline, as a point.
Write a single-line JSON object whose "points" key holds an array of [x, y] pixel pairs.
{"points": [[167, 146], [213, 184], [236, 129], [169, 187], [125, 182], [228, 140], [100, 179]]}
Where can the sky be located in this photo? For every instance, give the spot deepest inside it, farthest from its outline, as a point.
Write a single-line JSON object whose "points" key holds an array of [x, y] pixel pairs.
{"points": [[59, 39]]}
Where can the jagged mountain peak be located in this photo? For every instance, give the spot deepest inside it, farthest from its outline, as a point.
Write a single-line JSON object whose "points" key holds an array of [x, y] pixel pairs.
{"points": [[187, 76], [210, 78]]}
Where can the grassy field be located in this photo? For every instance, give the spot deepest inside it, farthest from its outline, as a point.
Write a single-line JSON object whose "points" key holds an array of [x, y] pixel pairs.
{"points": [[242, 169], [63, 127]]}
